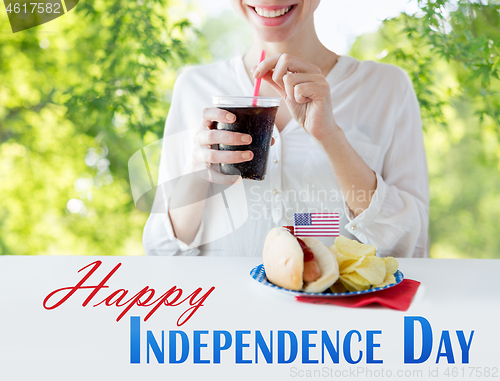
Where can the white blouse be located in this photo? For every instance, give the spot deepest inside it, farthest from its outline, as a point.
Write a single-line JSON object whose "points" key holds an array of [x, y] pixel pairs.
{"points": [[376, 107]]}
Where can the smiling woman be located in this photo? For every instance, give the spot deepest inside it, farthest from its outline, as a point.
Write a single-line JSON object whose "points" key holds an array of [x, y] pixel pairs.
{"points": [[345, 128]]}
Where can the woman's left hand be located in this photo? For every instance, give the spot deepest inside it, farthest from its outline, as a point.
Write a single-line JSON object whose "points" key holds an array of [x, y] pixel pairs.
{"points": [[305, 91]]}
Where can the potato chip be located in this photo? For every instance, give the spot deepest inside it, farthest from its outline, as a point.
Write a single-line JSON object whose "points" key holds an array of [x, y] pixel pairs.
{"points": [[340, 257], [372, 269], [354, 282], [334, 250], [347, 264], [352, 248], [389, 279], [350, 265], [360, 268], [391, 264]]}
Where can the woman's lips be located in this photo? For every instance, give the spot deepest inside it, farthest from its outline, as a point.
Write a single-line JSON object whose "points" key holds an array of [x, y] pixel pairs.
{"points": [[272, 16]]}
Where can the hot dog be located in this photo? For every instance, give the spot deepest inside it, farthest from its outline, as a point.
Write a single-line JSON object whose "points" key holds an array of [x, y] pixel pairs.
{"points": [[285, 265], [311, 269]]}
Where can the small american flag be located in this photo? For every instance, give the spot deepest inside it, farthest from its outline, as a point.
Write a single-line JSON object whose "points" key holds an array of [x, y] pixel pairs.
{"points": [[316, 224]]}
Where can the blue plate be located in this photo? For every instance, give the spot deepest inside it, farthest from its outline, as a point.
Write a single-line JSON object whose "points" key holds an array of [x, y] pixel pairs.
{"points": [[259, 274]]}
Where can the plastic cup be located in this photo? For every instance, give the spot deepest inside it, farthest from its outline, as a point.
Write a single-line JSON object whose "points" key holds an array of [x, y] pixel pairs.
{"points": [[257, 121]]}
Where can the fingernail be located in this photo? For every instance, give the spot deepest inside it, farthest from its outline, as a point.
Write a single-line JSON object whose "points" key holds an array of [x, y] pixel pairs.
{"points": [[253, 69], [246, 155], [256, 74], [246, 139], [230, 117]]}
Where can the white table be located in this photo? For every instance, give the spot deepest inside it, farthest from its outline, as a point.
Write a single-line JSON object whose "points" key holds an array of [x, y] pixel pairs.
{"points": [[72, 342]]}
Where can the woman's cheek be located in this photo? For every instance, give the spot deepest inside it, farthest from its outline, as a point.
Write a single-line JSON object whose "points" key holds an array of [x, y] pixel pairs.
{"points": [[240, 8]]}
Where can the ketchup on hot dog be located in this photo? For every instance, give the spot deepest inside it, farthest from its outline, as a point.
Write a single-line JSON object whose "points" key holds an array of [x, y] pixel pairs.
{"points": [[308, 254], [311, 268]]}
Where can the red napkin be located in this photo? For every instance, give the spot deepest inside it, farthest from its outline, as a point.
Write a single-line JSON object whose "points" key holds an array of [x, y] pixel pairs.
{"points": [[398, 297]]}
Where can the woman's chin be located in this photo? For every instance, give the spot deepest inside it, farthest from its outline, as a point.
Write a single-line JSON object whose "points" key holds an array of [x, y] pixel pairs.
{"points": [[274, 36]]}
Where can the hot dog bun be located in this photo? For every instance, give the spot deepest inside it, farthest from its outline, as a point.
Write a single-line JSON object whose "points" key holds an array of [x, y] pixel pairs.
{"points": [[327, 263], [283, 259], [284, 262]]}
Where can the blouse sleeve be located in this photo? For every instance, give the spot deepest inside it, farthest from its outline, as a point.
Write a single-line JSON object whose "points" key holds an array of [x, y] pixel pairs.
{"points": [[158, 236], [397, 219]]}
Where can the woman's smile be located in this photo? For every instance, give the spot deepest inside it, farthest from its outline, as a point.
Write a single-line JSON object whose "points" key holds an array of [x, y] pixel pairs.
{"points": [[271, 13], [274, 15]]}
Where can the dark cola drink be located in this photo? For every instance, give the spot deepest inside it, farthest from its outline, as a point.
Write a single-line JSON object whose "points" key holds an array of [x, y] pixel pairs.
{"points": [[257, 122], [255, 117]]}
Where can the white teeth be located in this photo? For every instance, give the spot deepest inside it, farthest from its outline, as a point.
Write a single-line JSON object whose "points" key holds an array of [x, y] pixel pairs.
{"points": [[271, 14]]}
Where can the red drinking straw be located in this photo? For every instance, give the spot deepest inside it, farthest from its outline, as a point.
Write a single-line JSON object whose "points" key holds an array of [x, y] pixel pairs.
{"points": [[256, 89]]}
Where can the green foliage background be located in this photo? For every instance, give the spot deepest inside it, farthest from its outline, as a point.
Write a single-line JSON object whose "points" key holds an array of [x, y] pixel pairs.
{"points": [[72, 113], [452, 56]]}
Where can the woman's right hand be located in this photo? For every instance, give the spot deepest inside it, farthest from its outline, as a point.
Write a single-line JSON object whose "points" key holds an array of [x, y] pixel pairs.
{"points": [[207, 136]]}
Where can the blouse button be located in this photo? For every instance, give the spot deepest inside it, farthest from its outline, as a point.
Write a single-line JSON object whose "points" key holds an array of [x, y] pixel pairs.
{"points": [[354, 227], [275, 160], [275, 191]]}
